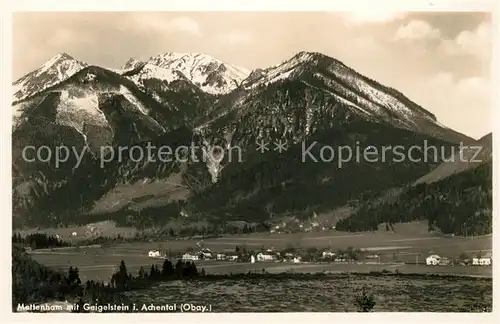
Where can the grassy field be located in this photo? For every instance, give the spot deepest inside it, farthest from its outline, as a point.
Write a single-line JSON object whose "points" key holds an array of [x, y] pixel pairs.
{"points": [[106, 228], [393, 248], [333, 293]]}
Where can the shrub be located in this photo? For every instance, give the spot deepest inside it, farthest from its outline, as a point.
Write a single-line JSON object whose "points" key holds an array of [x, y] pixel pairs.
{"points": [[364, 302]]}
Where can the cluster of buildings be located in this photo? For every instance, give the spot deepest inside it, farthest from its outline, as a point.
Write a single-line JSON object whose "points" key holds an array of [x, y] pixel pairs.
{"points": [[268, 255], [154, 254], [207, 254], [203, 254], [483, 260], [271, 255], [293, 224]]}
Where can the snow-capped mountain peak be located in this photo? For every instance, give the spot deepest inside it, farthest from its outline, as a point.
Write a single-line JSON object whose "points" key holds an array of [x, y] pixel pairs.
{"points": [[55, 70], [287, 69], [132, 63], [361, 94], [206, 72]]}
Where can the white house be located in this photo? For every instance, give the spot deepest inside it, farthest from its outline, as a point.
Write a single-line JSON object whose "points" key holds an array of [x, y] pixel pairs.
{"points": [[205, 254], [191, 257], [297, 259], [444, 261], [232, 257], [483, 260], [372, 256], [154, 254], [433, 259], [220, 256], [74, 234], [265, 256], [328, 254]]}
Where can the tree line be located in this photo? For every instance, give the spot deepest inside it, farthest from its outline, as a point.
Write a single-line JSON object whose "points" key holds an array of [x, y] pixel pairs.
{"points": [[38, 241], [33, 282], [460, 205]]}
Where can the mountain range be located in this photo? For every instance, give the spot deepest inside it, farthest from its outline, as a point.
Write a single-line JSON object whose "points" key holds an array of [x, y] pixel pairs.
{"points": [[187, 98]]}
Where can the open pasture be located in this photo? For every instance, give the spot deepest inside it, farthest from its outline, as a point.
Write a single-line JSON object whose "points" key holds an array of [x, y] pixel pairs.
{"points": [[393, 248], [333, 293], [105, 228], [384, 243], [101, 267]]}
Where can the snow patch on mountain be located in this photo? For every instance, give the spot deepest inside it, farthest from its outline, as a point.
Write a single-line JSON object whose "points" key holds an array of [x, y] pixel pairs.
{"points": [[375, 95], [345, 84], [213, 161], [278, 72], [57, 69], [343, 100], [151, 71], [132, 99], [131, 64], [17, 110], [208, 73], [353, 96], [76, 111]]}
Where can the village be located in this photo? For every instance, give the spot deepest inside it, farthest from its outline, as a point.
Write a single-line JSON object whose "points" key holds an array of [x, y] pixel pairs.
{"points": [[481, 260], [291, 255]]}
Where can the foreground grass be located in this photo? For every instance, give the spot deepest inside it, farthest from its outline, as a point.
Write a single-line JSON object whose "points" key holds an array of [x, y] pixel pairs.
{"points": [[324, 292]]}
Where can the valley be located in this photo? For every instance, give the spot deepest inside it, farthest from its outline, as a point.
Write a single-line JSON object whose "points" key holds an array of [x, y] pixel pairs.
{"points": [[395, 250], [252, 162], [192, 98]]}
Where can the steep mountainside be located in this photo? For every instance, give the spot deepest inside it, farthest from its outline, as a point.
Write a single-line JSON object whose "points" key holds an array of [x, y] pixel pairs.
{"points": [[310, 99], [311, 93], [473, 155], [360, 94], [297, 183], [460, 204], [455, 197], [91, 110], [123, 184]]}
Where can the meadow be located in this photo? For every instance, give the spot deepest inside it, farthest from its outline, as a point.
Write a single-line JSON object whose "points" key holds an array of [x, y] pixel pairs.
{"points": [[393, 248], [334, 293]]}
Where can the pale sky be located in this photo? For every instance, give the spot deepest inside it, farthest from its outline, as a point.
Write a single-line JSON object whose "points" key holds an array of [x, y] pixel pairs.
{"points": [[439, 60]]}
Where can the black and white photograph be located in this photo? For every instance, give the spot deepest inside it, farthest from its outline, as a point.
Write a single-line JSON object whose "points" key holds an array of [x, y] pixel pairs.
{"points": [[252, 161]]}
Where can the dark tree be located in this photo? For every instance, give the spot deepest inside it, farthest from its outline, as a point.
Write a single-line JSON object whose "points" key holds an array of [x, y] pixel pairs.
{"points": [[142, 273], [364, 302], [179, 266], [167, 269], [121, 277]]}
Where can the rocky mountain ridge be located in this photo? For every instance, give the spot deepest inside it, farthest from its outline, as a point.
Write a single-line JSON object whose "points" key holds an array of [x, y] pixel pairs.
{"points": [[308, 97]]}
